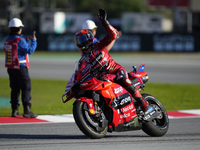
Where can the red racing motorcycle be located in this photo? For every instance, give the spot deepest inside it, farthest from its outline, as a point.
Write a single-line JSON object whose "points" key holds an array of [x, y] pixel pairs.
{"points": [[101, 105]]}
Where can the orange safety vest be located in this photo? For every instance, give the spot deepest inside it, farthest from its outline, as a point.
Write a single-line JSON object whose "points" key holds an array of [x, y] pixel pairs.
{"points": [[11, 49]]}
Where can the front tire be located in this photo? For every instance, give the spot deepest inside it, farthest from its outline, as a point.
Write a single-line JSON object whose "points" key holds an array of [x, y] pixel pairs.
{"points": [[92, 126], [158, 126]]}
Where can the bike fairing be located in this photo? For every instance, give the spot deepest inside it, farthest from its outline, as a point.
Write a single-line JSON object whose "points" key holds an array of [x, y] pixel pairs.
{"points": [[115, 96]]}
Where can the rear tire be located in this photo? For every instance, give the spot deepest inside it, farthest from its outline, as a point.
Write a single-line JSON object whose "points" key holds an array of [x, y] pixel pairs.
{"points": [[156, 127], [90, 125]]}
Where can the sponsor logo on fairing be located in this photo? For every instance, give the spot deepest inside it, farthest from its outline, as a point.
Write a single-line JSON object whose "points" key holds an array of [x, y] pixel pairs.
{"points": [[106, 85], [121, 101], [146, 117], [149, 110], [125, 109], [97, 86], [136, 84], [125, 115], [125, 100], [130, 123], [118, 90]]}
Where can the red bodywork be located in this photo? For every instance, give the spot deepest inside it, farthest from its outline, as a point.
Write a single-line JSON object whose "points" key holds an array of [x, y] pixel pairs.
{"points": [[115, 96]]}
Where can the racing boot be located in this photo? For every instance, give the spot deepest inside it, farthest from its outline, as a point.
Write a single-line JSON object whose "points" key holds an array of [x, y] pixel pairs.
{"points": [[15, 112], [138, 97], [127, 84], [28, 112], [149, 112]]}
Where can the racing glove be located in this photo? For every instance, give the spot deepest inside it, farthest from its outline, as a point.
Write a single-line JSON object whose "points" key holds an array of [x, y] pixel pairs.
{"points": [[102, 16]]}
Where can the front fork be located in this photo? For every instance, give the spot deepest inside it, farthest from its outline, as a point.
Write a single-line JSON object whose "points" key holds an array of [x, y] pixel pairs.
{"points": [[90, 103]]}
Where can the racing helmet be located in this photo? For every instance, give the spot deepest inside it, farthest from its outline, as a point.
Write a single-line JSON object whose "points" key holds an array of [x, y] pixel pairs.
{"points": [[84, 39]]}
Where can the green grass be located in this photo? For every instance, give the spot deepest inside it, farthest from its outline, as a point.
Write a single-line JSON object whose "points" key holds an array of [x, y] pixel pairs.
{"points": [[46, 96]]}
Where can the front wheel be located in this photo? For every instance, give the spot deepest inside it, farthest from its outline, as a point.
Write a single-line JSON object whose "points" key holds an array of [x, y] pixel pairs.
{"points": [[158, 126], [93, 126]]}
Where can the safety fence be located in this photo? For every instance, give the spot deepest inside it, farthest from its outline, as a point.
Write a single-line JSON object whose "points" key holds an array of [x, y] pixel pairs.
{"points": [[155, 42]]}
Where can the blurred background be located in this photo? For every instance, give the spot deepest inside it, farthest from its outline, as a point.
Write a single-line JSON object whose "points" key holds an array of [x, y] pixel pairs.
{"points": [[147, 25]]}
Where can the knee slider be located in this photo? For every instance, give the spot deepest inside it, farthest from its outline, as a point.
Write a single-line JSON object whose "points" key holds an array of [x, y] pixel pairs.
{"points": [[127, 81], [127, 84]]}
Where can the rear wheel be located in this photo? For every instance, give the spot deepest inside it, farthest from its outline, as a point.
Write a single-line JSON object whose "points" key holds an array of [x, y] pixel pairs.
{"points": [[93, 126], [158, 126]]}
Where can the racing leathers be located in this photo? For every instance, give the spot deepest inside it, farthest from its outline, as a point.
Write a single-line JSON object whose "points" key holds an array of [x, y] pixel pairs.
{"points": [[99, 57]]}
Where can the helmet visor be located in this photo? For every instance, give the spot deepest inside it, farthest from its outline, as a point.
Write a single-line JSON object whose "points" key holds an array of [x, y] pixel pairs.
{"points": [[84, 41], [81, 39]]}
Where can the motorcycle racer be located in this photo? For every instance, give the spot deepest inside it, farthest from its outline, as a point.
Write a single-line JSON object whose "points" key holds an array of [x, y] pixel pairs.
{"points": [[96, 55]]}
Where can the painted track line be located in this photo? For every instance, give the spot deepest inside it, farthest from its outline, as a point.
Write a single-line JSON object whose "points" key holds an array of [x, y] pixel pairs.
{"points": [[67, 118]]}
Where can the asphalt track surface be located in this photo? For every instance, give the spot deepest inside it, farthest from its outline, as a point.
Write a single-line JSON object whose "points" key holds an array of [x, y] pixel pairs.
{"points": [[168, 68], [183, 134]]}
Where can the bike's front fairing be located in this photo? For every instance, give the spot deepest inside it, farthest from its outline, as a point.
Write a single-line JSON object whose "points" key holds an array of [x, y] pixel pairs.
{"points": [[139, 77], [116, 97], [68, 92]]}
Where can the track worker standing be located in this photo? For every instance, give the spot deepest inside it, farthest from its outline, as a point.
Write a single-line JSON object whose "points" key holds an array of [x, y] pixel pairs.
{"points": [[16, 51]]}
